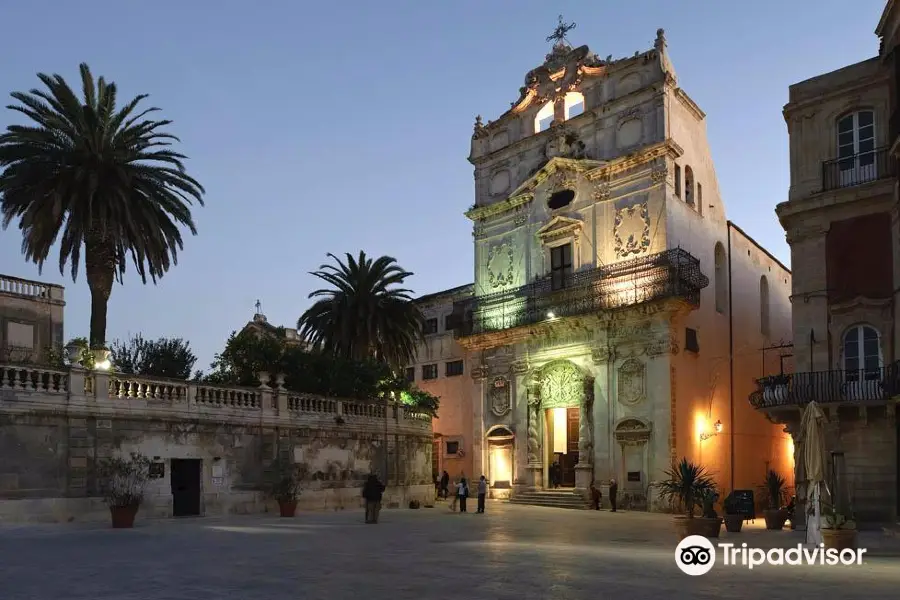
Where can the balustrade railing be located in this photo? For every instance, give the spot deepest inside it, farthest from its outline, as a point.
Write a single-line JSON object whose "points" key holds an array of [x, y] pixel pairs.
{"points": [[858, 169], [828, 387], [26, 382], [25, 287]]}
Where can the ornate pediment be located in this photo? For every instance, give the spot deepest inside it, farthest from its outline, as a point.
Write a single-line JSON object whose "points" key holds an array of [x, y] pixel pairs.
{"points": [[632, 431], [560, 227]]}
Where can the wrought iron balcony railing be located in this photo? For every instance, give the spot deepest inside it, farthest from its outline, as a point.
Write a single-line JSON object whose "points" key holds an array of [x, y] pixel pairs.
{"points": [[858, 169], [673, 273], [828, 387]]}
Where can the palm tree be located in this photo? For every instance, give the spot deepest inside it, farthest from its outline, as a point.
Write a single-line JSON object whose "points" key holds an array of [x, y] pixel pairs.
{"points": [[363, 315], [90, 174]]}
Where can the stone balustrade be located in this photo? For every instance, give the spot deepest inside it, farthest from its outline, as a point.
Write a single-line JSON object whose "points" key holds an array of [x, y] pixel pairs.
{"points": [[78, 390], [29, 289]]}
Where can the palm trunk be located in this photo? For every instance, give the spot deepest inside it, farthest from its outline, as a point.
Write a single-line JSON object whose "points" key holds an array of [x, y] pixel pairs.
{"points": [[100, 265]]}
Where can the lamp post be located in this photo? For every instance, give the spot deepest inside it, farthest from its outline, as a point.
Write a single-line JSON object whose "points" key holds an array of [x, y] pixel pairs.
{"points": [[387, 399]]}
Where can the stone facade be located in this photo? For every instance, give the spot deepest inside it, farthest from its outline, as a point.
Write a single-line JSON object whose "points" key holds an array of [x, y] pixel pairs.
{"points": [[31, 318], [841, 221], [55, 425], [601, 330]]}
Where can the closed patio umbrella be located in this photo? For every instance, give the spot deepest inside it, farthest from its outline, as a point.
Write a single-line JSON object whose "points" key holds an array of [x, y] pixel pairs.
{"points": [[813, 426]]}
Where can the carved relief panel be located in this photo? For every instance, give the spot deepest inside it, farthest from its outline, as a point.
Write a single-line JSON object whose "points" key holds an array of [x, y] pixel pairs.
{"points": [[501, 265], [632, 230], [631, 384], [499, 395]]}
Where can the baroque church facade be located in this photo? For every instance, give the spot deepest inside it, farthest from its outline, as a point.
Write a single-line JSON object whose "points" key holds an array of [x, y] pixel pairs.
{"points": [[601, 332]]}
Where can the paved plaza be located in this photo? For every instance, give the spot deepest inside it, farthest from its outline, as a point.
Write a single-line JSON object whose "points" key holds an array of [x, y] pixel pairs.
{"points": [[512, 552]]}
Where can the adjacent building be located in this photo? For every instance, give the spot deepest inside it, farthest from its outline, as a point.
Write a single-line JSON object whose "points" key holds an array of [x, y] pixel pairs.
{"points": [[602, 332], [31, 319], [841, 222]]}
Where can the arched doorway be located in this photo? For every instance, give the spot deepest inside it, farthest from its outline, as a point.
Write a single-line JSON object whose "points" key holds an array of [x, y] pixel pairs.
{"points": [[564, 395], [501, 458]]}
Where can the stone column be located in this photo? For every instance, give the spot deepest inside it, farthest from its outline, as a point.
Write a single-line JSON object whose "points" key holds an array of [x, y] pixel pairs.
{"points": [[535, 462], [601, 417], [584, 470], [479, 374], [519, 420]]}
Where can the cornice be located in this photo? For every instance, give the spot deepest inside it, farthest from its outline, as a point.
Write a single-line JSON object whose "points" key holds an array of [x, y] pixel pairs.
{"points": [[667, 148], [689, 103], [875, 192], [791, 107]]}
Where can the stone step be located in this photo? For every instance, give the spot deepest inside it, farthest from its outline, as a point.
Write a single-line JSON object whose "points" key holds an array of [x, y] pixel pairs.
{"points": [[548, 504], [551, 498]]}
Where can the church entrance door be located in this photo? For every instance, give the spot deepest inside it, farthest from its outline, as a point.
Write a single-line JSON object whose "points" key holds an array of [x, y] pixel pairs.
{"points": [[562, 431]]}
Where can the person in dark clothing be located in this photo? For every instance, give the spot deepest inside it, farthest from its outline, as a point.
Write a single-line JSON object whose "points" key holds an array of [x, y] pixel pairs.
{"points": [[372, 493], [482, 493], [613, 490], [596, 496], [462, 492], [555, 475], [445, 484]]}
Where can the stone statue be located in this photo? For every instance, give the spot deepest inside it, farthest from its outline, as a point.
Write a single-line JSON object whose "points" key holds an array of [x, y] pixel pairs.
{"points": [[586, 424], [534, 447]]}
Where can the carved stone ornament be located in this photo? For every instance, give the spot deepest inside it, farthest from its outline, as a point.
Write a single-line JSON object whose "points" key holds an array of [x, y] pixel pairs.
{"points": [[632, 432], [500, 396], [601, 354], [662, 345], [501, 264], [480, 372], [632, 230], [562, 386], [601, 192], [519, 367], [659, 174], [520, 220], [631, 382], [478, 231]]}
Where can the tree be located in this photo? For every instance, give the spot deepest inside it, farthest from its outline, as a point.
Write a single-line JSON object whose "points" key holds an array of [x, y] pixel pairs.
{"points": [[364, 315], [165, 357], [89, 174]]}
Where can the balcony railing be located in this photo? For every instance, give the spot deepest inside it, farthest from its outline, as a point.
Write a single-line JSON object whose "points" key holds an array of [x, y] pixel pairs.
{"points": [[858, 169], [828, 387], [670, 274]]}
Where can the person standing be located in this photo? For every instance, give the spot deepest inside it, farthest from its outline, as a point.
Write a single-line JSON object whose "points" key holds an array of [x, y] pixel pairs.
{"points": [[613, 490], [462, 492], [482, 493], [372, 492], [455, 495], [596, 497], [445, 485]]}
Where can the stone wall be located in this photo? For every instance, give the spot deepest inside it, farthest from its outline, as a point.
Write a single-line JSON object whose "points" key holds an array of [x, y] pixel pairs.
{"points": [[56, 425]]}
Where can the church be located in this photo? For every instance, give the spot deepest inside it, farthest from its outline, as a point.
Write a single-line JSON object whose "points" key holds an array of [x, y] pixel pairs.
{"points": [[617, 321]]}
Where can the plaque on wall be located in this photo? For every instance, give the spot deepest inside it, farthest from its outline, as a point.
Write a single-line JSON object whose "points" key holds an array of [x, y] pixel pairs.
{"points": [[157, 470], [634, 475]]}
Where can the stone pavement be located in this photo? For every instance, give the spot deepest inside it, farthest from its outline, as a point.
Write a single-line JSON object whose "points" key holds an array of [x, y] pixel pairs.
{"points": [[512, 552]]}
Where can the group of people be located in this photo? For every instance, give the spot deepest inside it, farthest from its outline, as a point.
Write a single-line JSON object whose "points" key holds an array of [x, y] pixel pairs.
{"points": [[597, 496], [460, 491]]}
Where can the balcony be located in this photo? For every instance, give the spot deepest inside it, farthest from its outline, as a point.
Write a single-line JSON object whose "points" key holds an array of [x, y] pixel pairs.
{"points": [[670, 274], [858, 169], [870, 386]]}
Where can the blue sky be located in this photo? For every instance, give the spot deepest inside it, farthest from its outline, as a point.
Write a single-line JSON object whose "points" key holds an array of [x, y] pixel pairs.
{"points": [[338, 126]]}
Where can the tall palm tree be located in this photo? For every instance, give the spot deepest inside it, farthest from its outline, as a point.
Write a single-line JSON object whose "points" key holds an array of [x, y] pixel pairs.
{"points": [[363, 315], [92, 174]]}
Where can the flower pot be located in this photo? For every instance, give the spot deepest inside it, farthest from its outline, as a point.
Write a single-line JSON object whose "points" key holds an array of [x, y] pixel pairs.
{"points": [[775, 518], [123, 516], [74, 354], [734, 523], [685, 526], [839, 539], [287, 508]]}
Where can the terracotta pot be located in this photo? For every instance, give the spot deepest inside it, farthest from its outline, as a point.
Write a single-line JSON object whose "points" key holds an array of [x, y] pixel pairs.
{"points": [[839, 539], [287, 508], [734, 523], [123, 516], [775, 518], [685, 526]]}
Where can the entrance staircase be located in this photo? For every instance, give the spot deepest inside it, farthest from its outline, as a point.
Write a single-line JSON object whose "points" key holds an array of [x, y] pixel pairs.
{"points": [[551, 498]]}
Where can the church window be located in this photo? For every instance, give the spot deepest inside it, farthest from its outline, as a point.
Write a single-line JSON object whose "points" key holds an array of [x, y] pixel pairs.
{"points": [[560, 266], [453, 368], [689, 186], [560, 199], [678, 181], [431, 326], [764, 306], [544, 118], [410, 374], [720, 275], [429, 371], [699, 198], [574, 104]]}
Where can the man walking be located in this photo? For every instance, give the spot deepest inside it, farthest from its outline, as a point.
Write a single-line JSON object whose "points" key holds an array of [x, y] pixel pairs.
{"points": [[372, 492], [482, 494], [613, 490], [596, 497]]}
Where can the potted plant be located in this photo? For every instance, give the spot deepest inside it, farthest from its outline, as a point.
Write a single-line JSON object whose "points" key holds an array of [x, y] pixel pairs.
{"points": [[839, 529], [775, 515], [734, 521], [122, 482], [285, 487], [687, 484]]}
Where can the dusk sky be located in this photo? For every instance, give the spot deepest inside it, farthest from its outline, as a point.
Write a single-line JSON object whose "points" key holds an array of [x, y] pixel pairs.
{"points": [[339, 126]]}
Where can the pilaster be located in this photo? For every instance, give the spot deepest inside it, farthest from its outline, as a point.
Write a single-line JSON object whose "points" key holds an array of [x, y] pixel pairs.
{"points": [[602, 357]]}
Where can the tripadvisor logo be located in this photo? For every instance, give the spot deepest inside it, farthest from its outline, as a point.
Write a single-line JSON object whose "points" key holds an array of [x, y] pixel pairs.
{"points": [[696, 555]]}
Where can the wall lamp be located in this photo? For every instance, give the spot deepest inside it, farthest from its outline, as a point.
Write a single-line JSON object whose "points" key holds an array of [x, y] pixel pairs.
{"points": [[718, 429]]}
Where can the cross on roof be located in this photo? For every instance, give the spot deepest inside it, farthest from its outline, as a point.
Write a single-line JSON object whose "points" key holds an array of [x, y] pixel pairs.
{"points": [[559, 34], [258, 307]]}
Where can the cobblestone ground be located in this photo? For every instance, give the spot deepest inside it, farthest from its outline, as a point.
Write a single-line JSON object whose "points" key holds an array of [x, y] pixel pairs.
{"points": [[512, 552]]}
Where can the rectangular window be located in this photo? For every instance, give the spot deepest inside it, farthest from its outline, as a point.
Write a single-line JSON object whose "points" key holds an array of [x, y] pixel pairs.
{"points": [[453, 368], [452, 447], [429, 371], [678, 181], [544, 124], [431, 326], [410, 374], [575, 110], [691, 342], [560, 266], [700, 197]]}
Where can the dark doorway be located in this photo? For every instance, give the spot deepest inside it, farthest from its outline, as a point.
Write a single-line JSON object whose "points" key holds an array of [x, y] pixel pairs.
{"points": [[185, 475]]}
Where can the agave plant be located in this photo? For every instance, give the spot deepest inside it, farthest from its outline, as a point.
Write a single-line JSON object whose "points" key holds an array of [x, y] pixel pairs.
{"points": [[687, 483], [775, 489]]}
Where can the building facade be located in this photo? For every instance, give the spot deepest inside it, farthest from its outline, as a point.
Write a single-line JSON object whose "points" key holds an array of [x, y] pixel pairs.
{"points": [[601, 332], [841, 222], [31, 319]]}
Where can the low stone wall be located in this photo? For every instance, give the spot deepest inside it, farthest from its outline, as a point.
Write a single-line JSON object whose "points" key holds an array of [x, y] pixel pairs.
{"points": [[56, 425]]}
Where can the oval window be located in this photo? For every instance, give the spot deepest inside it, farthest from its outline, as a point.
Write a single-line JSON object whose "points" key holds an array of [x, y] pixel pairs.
{"points": [[560, 199]]}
